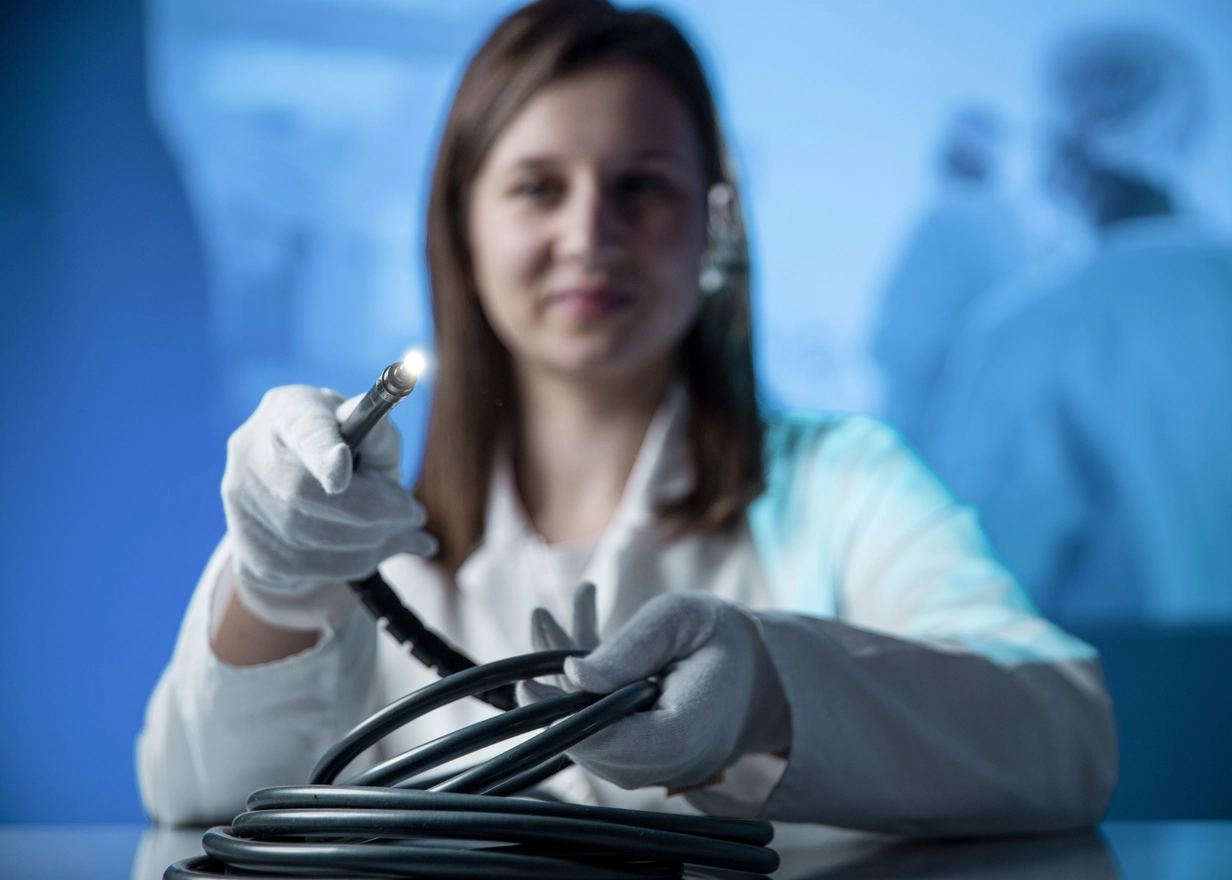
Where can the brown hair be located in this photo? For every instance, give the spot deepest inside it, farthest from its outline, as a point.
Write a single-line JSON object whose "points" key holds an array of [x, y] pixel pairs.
{"points": [[475, 398]]}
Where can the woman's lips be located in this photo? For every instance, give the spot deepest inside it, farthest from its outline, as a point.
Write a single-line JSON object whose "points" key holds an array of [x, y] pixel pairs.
{"points": [[591, 303]]}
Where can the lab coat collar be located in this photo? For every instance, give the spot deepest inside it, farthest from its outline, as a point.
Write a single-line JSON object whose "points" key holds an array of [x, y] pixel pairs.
{"points": [[662, 472]]}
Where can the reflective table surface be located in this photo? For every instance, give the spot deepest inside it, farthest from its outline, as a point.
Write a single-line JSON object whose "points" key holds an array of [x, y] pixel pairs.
{"points": [[1115, 851]]}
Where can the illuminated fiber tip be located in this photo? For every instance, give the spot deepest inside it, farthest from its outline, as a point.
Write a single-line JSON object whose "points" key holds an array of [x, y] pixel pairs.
{"points": [[414, 363]]}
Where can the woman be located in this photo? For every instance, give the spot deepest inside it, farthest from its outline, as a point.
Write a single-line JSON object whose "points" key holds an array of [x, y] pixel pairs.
{"points": [[839, 644]]}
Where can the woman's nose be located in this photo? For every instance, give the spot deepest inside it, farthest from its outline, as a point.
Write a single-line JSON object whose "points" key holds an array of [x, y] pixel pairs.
{"points": [[592, 228]]}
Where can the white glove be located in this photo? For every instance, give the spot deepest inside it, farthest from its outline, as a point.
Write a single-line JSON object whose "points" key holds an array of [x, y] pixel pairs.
{"points": [[301, 521], [720, 697]]}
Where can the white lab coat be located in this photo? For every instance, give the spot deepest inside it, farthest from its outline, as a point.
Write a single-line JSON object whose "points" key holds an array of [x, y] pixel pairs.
{"points": [[932, 701], [1089, 423]]}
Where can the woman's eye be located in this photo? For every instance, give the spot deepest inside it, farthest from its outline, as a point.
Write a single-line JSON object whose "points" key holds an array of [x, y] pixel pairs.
{"points": [[645, 184], [538, 189]]}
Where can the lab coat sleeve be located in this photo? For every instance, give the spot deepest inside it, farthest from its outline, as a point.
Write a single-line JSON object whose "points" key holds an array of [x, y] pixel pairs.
{"points": [[213, 732], [937, 702]]}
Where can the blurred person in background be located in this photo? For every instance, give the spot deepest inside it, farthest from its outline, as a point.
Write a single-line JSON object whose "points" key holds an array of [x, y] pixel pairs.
{"points": [[967, 243], [835, 637], [1089, 425]]}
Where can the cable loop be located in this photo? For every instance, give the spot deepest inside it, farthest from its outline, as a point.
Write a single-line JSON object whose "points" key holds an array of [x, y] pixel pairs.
{"points": [[465, 826]]}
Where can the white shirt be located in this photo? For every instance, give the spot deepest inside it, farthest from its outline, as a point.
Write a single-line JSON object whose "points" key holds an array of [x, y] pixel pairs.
{"points": [[1012, 745]]}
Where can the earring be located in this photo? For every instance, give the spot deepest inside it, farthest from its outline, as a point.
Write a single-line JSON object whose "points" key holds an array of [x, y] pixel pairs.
{"points": [[722, 256]]}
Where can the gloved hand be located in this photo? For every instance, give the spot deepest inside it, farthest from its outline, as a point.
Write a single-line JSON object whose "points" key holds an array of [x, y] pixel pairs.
{"points": [[720, 696], [301, 520]]}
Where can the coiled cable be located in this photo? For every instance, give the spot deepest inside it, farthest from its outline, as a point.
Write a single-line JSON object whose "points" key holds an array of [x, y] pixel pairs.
{"points": [[394, 821]]}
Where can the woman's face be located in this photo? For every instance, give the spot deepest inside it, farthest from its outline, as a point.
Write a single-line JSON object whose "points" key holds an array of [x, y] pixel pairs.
{"points": [[587, 224]]}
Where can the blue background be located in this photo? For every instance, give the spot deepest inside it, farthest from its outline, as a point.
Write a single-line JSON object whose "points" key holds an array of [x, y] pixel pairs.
{"points": [[121, 389], [112, 447]]}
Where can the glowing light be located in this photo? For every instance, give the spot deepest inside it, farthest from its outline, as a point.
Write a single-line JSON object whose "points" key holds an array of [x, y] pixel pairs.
{"points": [[415, 362]]}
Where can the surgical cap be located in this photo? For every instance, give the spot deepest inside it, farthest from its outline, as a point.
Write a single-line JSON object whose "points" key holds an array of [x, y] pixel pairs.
{"points": [[1133, 98]]}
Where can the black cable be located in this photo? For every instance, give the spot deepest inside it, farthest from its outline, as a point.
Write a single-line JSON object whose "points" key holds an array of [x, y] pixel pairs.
{"points": [[394, 384], [477, 679], [463, 828], [425, 646], [470, 739]]}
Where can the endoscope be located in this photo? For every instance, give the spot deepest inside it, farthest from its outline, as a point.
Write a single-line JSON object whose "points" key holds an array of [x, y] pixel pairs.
{"points": [[393, 386], [405, 818]]}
